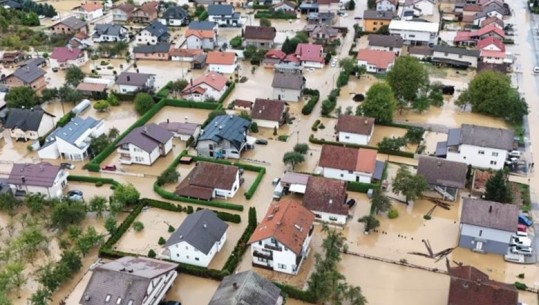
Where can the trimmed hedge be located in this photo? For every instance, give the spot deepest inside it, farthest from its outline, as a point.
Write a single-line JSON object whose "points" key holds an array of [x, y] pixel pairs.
{"points": [[255, 184], [296, 293], [274, 15], [94, 180], [190, 104], [203, 16], [65, 119], [163, 92], [227, 92], [315, 96], [234, 259], [360, 187], [163, 205], [126, 224], [216, 204], [224, 216]]}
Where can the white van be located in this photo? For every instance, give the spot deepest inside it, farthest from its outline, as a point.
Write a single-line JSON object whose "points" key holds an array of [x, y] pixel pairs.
{"points": [[278, 191], [520, 234]]}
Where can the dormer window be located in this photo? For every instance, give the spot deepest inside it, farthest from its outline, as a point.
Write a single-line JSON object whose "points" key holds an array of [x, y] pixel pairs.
{"points": [[107, 298], [119, 300]]}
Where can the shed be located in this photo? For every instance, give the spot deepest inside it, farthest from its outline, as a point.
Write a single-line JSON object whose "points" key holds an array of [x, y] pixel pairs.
{"points": [[295, 182], [81, 107]]}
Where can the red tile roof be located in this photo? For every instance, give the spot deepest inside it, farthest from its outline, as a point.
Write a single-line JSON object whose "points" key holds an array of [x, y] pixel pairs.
{"points": [[270, 110], [346, 158], [485, 42], [201, 34], [366, 160], [213, 79], [492, 20], [355, 124], [463, 36], [309, 52], [243, 104], [63, 54], [259, 32], [91, 6], [490, 28], [221, 58], [378, 58], [326, 195], [495, 54], [275, 53]]}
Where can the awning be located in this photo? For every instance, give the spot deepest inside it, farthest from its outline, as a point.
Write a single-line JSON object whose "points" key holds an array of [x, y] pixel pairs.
{"points": [[297, 188]]}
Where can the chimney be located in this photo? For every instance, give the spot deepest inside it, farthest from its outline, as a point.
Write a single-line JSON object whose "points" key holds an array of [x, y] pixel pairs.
{"points": [[366, 121], [191, 81], [331, 201], [168, 121], [145, 129], [235, 285], [490, 209], [128, 78], [23, 179]]}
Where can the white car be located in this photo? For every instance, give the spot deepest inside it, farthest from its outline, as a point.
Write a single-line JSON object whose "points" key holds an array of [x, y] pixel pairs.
{"points": [[55, 18], [41, 17], [333, 64], [520, 234], [535, 69], [521, 241], [522, 250], [514, 153]]}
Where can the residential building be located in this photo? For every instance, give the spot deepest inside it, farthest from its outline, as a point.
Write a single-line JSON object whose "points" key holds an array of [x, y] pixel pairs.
{"points": [[79, 41], [29, 75], [259, 36], [89, 11], [480, 146], [386, 5], [310, 55], [322, 33], [287, 86], [246, 287], [158, 51], [71, 142], [109, 32], [224, 15], [122, 12], [243, 105], [273, 57], [186, 55], [144, 145], [373, 20], [285, 6], [11, 58], [376, 61], [326, 198], [224, 137], [210, 86], [201, 38], [391, 43], [455, 57], [130, 82], [349, 164], [69, 26], [415, 32], [421, 52], [210, 180], [65, 57], [182, 131], [174, 16], [492, 50], [421, 7], [129, 280], [492, 20], [487, 226], [282, 238], [222, 62], [308, 7], [443, 176], [354, 129], [268, 113], [28, 124], [43, 178], [328, 6], [146, 13], [200, 236], [153, 34]]}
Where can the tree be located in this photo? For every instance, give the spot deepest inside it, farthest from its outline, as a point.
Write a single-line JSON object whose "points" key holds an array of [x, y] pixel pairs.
{"points": [[69, 94], [379, 104], [71, 261], [8, 202], [393, 144], [126, 194], [293, 158], [347, 64], [370, 222], [302, 37], [97, 204], [111, 225], [113, 100], [35, 202], [379, 202], [350, 5], [179, 85], [253, 127], [371, 4], [49, 94], [236, 42], [73, 76], [88, 240], [66, 213], [383, 30], [265, 22], [27, 243], [41, 297], [15, 273], [98, 144], [21, 97], [170, 175], [407, 77], [143, 102], [289, 45], [113, 133], [411, 186], [301, 148], [138, 226], [498, 189], [47, 277], [414, 135], [101, 105]]}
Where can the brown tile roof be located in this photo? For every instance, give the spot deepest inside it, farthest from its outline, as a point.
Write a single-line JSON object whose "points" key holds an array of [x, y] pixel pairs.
{"points": [[333, 156], [326, 195], [259, 32], [489, 214], [288, 222], [221, 58], [149, 7], [442, 172], [205, 177], [125, 7], [366, 160], [185, 52], [91, 6], [355, 124], [490, 20], [91, 87], [378, 58], [243, 103], [40, 174], [213, 79], [472, 8], [270, 110], [201, 34]]}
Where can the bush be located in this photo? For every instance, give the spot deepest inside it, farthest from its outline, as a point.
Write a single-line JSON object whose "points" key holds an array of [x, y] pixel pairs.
{"points": [[99, 184], [143, 103], [161, 241], [107, 246], [521, 275], [521, 286], [274, 15], [190, 210], [236, 42], [171, 229], [313, 100], [392, 214], [296, 293], [163, 205], [234, 258], [360, 187], [94, 180], [65, 119], [138, 226], [321, 126], [151, 253], [315, 125], [228, 90], [255, 184], [171, 196], [427, 217], [254, 127], [170, 175], [224, 216], [282, 138]]}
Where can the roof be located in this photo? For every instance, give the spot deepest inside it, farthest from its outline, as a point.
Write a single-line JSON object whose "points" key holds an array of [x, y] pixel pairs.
{"points": [[91, 6], [442, 172], [472, 8], [25, 119], [127, 278], [420, 51], [162, 47], [201, 230], [247, 288], [327, 2], [287, 3], [92, 87], [495, 54], [485, 42], [147, 137], [63, 54], [392, 41], [270, 110], [309, 52], [259, 32], [295, 178], [326, 195], [212, 79], [243, 103], [288, 81], [40, 174], [324, 29], [355, 124], [463, 36], [29, 73], [346, 158], [72, 22], [221, 58], [205, 177], [366, 160], [226, 127], [72, 131], [36, 61], [468, 285], [413, 2], [484, 136], [489, 214], [185, 52], [202, 25], [133, 78], [157, 29], [220, 9], [490, 28], [377, 15], [180, 128], [108, 29], [455, 50], [419, 26], [275, 53], [491, 20], [175, 12], [288, 222], [201, 34], [125, 7], [378, 58], [149, 8]]}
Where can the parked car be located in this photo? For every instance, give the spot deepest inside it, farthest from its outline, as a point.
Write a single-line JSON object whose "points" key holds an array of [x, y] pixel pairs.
{"points": [[67, 166], [522, 250], [520, 234], [522, 228], [55, 18], [535, 69], [275, 181], [278, 192], [55, 69], [75, 195], [523, 219], [351, 202], [261, 142], [109, 167], [515, 153], [521, 241]]}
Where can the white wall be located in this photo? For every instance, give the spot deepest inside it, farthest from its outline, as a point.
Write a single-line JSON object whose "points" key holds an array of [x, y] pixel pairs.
{"points": [[171, 22], [46, 125], [424, 37], [346, 175], [266, 123], [453, 56], [354, 138], [145, 38], [208, 93], [225, 69], [471, 155], [228, 193], [289, 95], [331, 218], [312, 64], [159, 287], [127, 88], [187, 254], [426, 7], [193, 42], [55, 191]]}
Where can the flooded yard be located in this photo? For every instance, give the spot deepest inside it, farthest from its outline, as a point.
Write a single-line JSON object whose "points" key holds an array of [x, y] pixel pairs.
{"points": [[178, 114]]}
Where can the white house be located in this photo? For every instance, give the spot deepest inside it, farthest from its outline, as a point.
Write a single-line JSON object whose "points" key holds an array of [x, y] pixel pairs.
{"points": [[376, 61], [224, 15], [349, 164], [65, 57], [480, 146], [28, 124], [174, 16], [268, 113], [129, 82], [354, 129], [492, 50], [143, 145], [201, 35], [222, 62], [153, 34], [385, 5], [89, 11], [109, 32], [421, 7], [224, 137], [415, 32], [287, 86], [391, 43], [209, 86], [456, 57], [200, 236], [43, 178], [281, 240], [209, 180], [326, 198], [310, 55]]}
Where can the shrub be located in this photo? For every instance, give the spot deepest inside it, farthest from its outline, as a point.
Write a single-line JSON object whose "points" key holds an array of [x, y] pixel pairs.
{"points": [[170, 175], [254, 127], [315, 125], [224, 216], [99, 184], [282, 138], [189, 210], [313, 100], [151, 253], [138, 226], [427, 217], [392, 214], [255, 184], [521, 286], [360, 187], [321, 126], [143, 103], [161, 241], [296, 293], [521, 275], [171, 229], [266, 14], [234, 258]]}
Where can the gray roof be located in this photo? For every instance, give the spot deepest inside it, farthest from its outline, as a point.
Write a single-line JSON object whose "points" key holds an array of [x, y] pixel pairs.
{"points": [[157, 29], [147, 137], [455, 50], [127, 278], [133, 78], [226, 127], [72, 22], [40, 174], [378, 15], [201, 230], [489, 214], [180, 128], [25, 119], [392, 41], [307, 5], [29, 73], [220, 9], [245, 288], [36, 61], [72, 131], [175, 12], [162, 47], [442, 172], [108, 29], [481, 136], [288, 81], [379, 170], [201, 25]]}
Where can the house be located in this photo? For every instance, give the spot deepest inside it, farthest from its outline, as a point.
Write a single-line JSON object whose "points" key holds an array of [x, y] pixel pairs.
{"points": [[224, 15], [349, 164], [30, 75], [109, 32], [174, 16], [492, 50], [386, 5], [268, 113], [200, 236], [468, 285], [11, 58], [243, 105], [79, 41], [71, 142], [492, 20], [69, 26], [469, 11], [354, 129], [455, 57], [294, 182], [308, 7], [28, 124], [122, 12], [182, 131], [285, 7], [273, 57], [224, 137], [65, 57], [129, 280], [487, 226], [158, 51], [376, 61], [95, 90], [391, 43], [415, 32], [259, 36], [222, 62], [287, 86], [490, 30], [11, 4], [480, 146], [201, 38], [281, 240], [328, 6], [210, 86], [323, 33], [210, 180], [43, 178], [443, 176], [326, 198], [186, 55], [246, 287], [146, 13], [421, 52], [421, 7], [89, 11], [310, 55], [153, 34], [373, 20], [143, 145], [130, 82]]}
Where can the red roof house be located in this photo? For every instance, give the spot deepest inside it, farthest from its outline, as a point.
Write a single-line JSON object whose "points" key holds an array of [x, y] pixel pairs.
{"points": [[310, 55], [63, 57], [376, 60], [208, 86]]}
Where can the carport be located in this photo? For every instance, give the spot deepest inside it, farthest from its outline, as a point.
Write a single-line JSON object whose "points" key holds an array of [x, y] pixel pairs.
{"points": [[295, 182]]}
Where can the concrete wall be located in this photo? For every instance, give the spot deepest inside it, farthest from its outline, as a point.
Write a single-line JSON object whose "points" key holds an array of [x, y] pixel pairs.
{"points": [[482, 157], [485, 240]]}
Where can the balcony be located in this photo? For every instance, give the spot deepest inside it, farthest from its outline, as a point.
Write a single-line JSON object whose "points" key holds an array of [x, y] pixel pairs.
{"points": [[263, 254], [273, 247]]}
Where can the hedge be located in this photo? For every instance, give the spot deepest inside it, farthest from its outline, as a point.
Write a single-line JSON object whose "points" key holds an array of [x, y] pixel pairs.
{"points": [[313, 100], [163, 92], [255, 184], [203, 16], [227, 92], [93, 180], [234, 259], [261, 6], [216, 204], [124, 97], [190, 104], [65, 119], [126, 224], [163, 205], [296, 293], [274, 15], [224, 216], [405, 154], [360, 187]]}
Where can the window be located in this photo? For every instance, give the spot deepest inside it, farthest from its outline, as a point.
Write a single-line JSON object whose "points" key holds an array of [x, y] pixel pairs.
{"points": [[342, 175], [481, 152], [177, 254], [196, 258], [460, 56], [480, 232], [347, 137], [281, 266], [187, 256], [375, 23], [494, 154], [411, 36], [260, 242], [493, 162], [119, 300]]}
